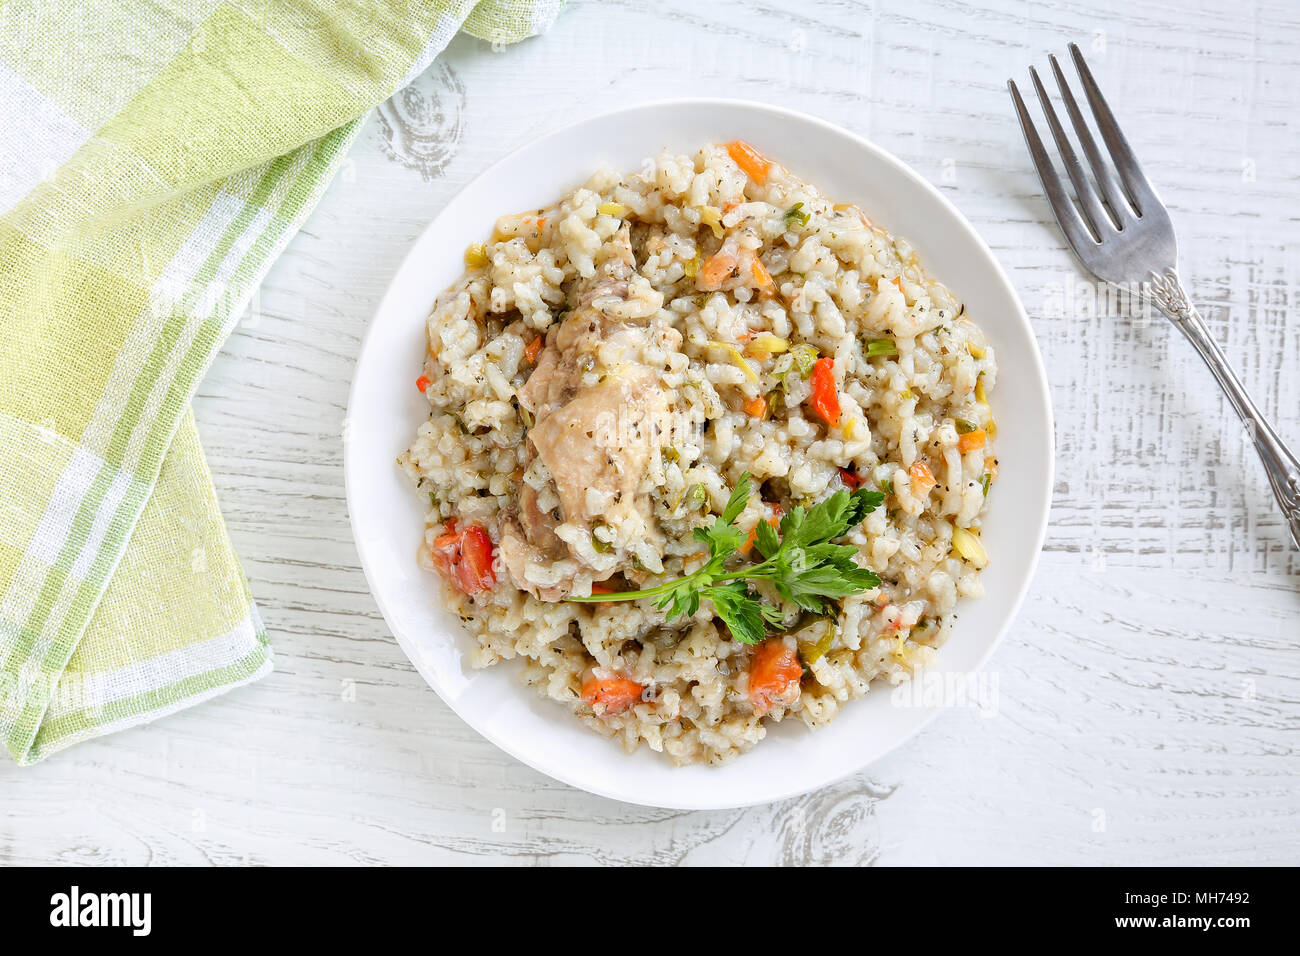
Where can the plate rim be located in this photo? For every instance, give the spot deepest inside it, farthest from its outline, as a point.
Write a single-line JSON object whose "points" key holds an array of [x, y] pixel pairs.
{"points": [[1037, 374]]}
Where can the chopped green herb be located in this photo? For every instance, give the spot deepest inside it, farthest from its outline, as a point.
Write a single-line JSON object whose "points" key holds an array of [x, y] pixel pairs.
{"points": [[799, 359], [600, 545], [800, 562], [815, 640], [964, 427], [796, 214], [695, 498], [986, 482], [433, 499], [882, 346], [805, 357]]}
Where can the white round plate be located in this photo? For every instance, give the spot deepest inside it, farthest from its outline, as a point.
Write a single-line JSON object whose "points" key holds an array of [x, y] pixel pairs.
{"points": [[385, 409]]}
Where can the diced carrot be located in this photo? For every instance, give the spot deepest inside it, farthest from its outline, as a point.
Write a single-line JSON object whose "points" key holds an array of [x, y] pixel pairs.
{"points": [[533, 349], [422, 383], [715, 271], [446, 547], [754, 163], [849, 478], [756, 407], [598, 588], [922, 478], [611, 695], [464, 557], [445, 550], [762, 278], [898, 282], [774, 671], [728, 206], [541, 222], [825, 398], [971, 440]]}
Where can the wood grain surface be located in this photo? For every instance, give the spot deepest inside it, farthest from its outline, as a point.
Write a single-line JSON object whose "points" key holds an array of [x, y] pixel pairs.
{"points": [[1149, 692]]}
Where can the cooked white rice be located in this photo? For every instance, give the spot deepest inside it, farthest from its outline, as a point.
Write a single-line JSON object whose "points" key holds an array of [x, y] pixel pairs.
{"points": [[836, 283]]}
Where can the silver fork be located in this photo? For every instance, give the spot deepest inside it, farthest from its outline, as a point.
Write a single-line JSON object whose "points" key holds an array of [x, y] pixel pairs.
{"points": [[1123, 236]]}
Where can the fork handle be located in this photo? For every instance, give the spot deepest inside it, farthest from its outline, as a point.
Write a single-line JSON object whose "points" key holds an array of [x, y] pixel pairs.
{"points": [[1281, 466]]}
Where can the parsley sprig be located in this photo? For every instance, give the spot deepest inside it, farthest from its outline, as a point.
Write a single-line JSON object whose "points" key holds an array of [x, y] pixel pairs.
{"points": [[799, 561]]}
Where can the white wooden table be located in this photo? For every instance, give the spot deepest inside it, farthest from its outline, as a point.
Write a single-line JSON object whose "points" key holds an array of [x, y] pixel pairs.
{"points": [[1150, 689]]}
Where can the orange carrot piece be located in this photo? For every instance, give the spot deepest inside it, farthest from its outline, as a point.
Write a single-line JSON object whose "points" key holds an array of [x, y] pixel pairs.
{"points": [[422, 383], [715, 271], [922, 477], [825, 398], [972, 440], [762, 278], [773, 671], [533, 349], [756, 407], [611, 695], [754, 163]]}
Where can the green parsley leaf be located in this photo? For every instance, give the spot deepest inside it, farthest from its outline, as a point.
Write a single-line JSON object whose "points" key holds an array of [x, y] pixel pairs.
{"points": [[766, 539], [739, 498], [743, 615], [802, 563]]}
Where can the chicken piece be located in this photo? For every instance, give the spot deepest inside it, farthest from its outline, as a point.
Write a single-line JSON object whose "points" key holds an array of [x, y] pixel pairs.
{"points": [[539, 526], [595, 433], [517, 553], [598, 445], [571, 345]]}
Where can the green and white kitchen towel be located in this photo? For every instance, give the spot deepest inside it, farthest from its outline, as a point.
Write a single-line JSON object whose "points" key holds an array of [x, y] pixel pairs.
{"points": [[155, 158]]}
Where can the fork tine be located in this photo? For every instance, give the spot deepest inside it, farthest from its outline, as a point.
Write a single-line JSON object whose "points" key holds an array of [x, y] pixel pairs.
{"points": [[1101, 171], [1066, 215], [1093, 214], [1136, 185]]}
